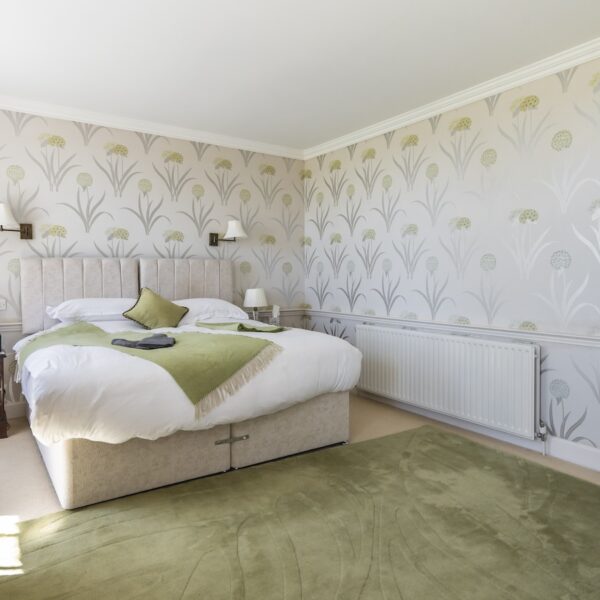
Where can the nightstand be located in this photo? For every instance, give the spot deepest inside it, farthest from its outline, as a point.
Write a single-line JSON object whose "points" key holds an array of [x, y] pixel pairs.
{"points": [[3, 422]]}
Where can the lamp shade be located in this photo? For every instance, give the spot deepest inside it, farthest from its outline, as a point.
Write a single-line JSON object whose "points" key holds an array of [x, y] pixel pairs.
{"points": [[234, 230], [7, 219], [255, 297]]}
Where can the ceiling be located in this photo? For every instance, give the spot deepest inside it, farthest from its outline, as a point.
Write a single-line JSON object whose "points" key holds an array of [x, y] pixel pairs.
{"points": [[288, 74]]}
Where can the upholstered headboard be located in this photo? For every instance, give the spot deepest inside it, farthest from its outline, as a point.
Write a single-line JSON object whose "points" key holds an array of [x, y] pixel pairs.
{"points": [[50, 281], [177, 278]]}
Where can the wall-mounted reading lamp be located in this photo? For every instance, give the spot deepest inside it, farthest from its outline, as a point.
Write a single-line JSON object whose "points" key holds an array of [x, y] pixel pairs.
{"points": [[235, 231], [9, 223]]}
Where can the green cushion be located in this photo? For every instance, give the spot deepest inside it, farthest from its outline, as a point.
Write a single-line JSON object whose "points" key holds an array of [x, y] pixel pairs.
{"points": [[153, 311]]}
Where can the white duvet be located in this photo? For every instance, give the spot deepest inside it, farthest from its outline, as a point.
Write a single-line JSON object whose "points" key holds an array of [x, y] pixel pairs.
{"points": [[105, 395]]}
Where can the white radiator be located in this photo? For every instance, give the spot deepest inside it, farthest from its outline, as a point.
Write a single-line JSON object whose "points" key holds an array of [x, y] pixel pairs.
{"points": [[488, 382]]}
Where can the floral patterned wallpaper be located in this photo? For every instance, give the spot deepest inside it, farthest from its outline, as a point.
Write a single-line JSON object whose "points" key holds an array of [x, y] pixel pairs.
{"points": [[90, 191], [488, 215]]}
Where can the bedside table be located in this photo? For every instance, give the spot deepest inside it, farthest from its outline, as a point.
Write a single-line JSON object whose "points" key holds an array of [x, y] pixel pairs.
{"points": [[3, 422]]}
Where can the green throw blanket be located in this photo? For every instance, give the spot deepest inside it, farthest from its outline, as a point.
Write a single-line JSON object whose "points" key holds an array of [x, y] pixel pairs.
{"points": [[207, 367], [239, 326]]}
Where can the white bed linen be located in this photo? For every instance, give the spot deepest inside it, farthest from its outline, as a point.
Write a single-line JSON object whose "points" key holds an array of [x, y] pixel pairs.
{"points": [[105, 395]]}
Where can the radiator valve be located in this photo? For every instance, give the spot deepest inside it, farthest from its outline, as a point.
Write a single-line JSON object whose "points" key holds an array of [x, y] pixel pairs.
{"points": [[542, 431]]}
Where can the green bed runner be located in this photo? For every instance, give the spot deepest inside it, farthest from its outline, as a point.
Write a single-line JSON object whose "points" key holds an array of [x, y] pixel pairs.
{"points": [[239, 326], [207, 367]]}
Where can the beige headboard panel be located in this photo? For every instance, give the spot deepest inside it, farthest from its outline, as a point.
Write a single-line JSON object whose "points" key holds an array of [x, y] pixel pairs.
{"points": [[177, 278], [50, 281]]}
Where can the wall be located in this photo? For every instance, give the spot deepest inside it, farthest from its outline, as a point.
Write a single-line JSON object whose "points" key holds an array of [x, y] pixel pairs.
{"points": [[488, 216], [93, 191], [485, 216]]}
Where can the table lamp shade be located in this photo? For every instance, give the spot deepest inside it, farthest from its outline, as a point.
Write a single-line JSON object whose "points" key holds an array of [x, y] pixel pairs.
{"points": [[255, 297], [235, 230]]}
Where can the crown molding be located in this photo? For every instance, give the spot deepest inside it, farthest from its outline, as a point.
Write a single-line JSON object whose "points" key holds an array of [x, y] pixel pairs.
{"points": [[67, 113], [537, 70], [542, 68]]}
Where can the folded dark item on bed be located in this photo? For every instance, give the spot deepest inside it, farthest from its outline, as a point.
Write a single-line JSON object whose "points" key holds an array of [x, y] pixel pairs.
{"points": [[154, 342], [244, 327]]}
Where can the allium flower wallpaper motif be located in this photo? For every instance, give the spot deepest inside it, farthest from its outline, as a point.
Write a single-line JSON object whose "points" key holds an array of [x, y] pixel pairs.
{"points": [[515, 179], [94, 191], [488, 215]]}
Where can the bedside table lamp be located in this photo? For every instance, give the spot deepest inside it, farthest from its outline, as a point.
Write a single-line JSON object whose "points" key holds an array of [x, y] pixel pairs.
{"points": [[255, 298]]}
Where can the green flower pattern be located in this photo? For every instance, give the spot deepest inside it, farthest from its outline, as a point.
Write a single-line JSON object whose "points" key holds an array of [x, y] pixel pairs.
{"points": [[453, 219]]}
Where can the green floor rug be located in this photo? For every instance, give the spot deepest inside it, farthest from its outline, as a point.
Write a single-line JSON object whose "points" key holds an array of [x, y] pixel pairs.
{"points": [[415, 516]]}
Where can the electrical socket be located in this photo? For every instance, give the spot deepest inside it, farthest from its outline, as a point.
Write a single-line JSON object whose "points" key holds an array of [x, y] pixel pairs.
{"points": [[2, 303]]}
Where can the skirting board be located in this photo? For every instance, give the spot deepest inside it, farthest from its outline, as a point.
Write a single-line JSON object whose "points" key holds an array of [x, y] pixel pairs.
{"points": [[14, 410], [579, 454]]}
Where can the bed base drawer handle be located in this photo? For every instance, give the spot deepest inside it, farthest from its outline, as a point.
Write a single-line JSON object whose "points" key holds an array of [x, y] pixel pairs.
{"points": [[233, 439]]}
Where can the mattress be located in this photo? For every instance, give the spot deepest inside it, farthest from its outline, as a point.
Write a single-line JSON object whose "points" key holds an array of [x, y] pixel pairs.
{"points": [[103, 395]]}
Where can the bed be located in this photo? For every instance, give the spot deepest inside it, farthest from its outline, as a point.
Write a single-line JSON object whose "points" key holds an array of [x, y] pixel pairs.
{"points": [[89, 461]]}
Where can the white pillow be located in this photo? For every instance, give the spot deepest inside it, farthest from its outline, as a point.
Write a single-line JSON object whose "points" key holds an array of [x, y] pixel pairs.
{"points": [[91, 309], [210, 308]]}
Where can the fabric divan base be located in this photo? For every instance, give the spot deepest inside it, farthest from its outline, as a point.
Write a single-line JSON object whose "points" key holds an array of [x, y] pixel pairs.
{"points": [[85, 472], [319, 422]]}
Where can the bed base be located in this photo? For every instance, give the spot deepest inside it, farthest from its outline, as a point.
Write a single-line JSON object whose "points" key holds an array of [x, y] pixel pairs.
{"points": [[85, 472]]}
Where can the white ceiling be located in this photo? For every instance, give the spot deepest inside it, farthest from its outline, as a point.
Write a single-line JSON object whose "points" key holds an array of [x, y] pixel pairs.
{"points": [[292, 74]]}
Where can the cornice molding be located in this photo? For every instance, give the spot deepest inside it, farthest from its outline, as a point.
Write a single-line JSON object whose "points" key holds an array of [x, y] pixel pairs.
{"points": [[536, 337], [68, 113], [542, 68], [537, 70]]}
